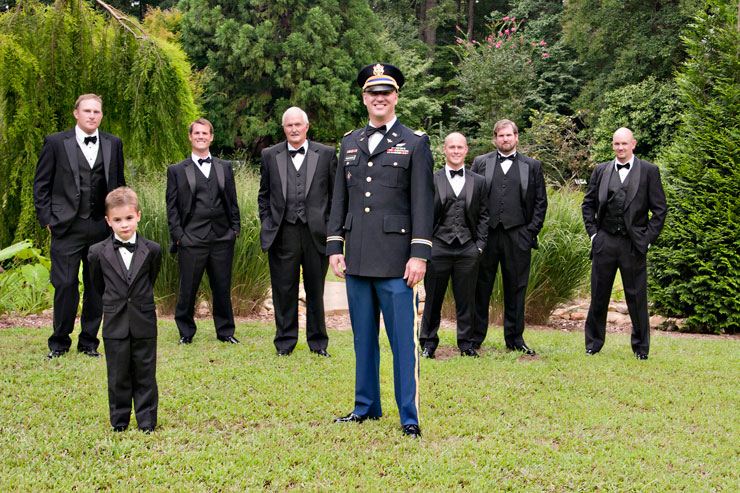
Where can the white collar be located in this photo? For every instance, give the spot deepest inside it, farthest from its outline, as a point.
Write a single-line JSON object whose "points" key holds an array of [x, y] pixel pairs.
{"points": [[388, 125], [80, 134], [304, 145], [130, 240]]}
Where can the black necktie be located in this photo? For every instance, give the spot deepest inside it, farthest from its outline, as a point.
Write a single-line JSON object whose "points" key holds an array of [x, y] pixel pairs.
{"points": [[93, 139], [206, 160], [371, 130], [458, 172], [124, 244], [625, 166], [293, 152]]}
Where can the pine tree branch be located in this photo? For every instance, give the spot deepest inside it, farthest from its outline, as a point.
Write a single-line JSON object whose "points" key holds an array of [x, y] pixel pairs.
{"points": [[123, 20]]}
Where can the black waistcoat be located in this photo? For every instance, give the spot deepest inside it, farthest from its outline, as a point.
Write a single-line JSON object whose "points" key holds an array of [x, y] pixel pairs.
{"points": [[209, 213], [453, 224], [616, 197], [295, 200], [504, 199], [93, 187]]}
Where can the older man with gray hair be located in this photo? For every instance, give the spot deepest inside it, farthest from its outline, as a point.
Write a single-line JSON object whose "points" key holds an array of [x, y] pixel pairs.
{"points": [[294, 203]]}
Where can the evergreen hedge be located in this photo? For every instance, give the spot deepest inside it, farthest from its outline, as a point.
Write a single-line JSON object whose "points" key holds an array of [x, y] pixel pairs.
{"points": [[695, 264]]}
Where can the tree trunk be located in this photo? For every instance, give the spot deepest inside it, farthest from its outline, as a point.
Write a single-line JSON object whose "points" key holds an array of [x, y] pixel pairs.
{"points": [[471, 13], [427, 30]]}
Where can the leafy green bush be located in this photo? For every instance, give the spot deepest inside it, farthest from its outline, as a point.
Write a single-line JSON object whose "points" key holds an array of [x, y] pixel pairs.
{"points": [[560, 267], [695, 264], [250, 275], [24, 285]]}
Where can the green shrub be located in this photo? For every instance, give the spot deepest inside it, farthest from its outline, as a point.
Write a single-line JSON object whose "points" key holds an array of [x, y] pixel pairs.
{"points": [[695, 264], [560, 267], [24, 285], [250, 274]]}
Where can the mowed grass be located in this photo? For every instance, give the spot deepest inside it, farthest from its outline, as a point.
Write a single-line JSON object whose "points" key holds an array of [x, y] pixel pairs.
{"points": [[234, 418]]}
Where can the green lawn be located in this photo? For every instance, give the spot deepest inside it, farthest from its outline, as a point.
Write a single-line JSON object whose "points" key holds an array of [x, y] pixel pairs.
{"points": [[238, 417]]}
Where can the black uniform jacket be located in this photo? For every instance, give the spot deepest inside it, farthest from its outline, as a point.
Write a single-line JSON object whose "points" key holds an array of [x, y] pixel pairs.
{"points": [[383, 207], [128, 307]]}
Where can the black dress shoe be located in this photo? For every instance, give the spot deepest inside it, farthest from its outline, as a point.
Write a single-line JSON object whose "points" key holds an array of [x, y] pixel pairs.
{"points": [[321, 352], [90, 351], [590, 352], [521, 347], [354, 418], [476, 345], [412, 430], [56, 353], [427, 353], [186, 340], [148, 430], [284, 352], [119, 429], [468, 352], [641, 356], [229, 339]]}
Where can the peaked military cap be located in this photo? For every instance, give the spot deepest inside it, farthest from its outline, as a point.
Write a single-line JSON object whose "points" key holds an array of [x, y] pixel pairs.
{"points": [[378, 77]]}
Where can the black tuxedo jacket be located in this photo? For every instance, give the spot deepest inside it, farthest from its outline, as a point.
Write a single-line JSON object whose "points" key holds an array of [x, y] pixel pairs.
{"points": [[181, 191], [533, 192], [320, 164], [56, 186], [128, 307], [644, 195], [476, 203]]}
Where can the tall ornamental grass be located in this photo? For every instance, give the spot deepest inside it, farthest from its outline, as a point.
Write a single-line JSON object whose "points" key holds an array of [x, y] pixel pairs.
{"points": [[250, 274], [560, 267]]}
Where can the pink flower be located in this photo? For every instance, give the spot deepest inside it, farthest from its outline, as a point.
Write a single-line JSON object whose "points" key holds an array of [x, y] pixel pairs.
{"points": [[500, 34], [507, 32], [542, 43], [506, 18], [513, 29], [467, 44], [474, 41], [516, 54], [545, 55], [529, 61], [489, 39], [513, 19], [498, 45], [459, 41], [534, 44]]}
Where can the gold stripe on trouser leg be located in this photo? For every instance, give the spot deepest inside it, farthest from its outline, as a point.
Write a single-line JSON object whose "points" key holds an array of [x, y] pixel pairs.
{"points": [[416, 346]]}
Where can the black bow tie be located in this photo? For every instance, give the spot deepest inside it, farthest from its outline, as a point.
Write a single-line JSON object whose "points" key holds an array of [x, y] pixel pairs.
{"points": [[293, 152], [124, 244], [625, 166], [504, 158], [93, 139], [458, 172], [371, 130], [206, 160]]}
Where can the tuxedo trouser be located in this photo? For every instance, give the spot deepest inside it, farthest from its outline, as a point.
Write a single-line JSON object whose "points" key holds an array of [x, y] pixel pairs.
{"points": [[293, 247], [132, 375], [609, 253], [512, 249], [66, 252], [368, 297], [461, 264], [215, 258]]}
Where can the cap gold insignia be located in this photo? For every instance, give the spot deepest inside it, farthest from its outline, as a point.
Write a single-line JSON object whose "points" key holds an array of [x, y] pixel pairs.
{"points": [[378, 69]]}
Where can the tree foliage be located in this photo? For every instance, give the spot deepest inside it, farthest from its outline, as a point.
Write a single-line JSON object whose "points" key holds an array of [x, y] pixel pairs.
{"points": [[696, 261], [267, 56], [50, 54]]}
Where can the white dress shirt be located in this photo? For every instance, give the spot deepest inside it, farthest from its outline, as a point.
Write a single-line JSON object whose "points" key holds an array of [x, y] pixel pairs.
{"points": [[507, 161], [204, 168], [298, 158], [624, 171], [89, 150], [374, 139], [125, 254], [457, 183]]}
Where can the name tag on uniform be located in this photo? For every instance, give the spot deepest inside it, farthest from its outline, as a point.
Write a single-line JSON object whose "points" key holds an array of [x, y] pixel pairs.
{"points": [[397, 150], [349, 158]]}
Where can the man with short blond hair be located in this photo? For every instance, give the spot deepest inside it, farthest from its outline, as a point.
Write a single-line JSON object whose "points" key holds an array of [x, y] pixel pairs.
{"points": [[297, 179], [76, 170], [203, 219]]}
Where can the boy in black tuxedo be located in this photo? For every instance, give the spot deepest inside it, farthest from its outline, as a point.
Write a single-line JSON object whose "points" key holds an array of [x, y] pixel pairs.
{"points": [[124, 268]]}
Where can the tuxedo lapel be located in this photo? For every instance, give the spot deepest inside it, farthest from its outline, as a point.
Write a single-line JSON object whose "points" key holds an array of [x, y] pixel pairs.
{"points": [[105, 147], [634, 181], [281, 159], [523, 173], [110, 254], [468, 187], [311, 161], [604, 184], [190, 175], [216, 167], [140, 255], [70, 145], [491, 163], [440, 179]]}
